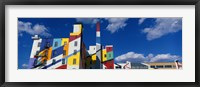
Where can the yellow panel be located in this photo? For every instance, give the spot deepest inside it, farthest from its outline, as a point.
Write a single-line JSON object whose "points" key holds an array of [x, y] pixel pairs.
{"points": [[94, 57], [65, 40], [66, 47], [71, 58], [42, 53], [103, 56]]}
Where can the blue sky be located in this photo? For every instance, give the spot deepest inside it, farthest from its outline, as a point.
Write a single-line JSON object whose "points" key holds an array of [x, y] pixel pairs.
{"points": [[133, 39]]}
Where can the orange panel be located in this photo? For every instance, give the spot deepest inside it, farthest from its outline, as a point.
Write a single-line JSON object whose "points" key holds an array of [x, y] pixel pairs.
{"points": [[49, 53], [66, 48]]}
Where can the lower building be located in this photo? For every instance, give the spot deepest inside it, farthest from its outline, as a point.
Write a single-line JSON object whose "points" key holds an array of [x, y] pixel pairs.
{"points": [[164, 65], [139, 66]]}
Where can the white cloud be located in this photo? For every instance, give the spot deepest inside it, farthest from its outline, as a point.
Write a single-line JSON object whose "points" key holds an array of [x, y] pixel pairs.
{"points": [[164, 57], [24, 66], [163, 27], [141, 20], [88, 20], [130, 56], [137, 57], [115, 24], [32, 29]]}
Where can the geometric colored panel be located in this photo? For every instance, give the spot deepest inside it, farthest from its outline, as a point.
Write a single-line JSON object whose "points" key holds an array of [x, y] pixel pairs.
{"points": [[49, 53], [31, 63], [109, 64], [57, 43], [57, 52], [74, 37], [46, 43], [109, 49], [62, 67], [109, 55], [64, 41], [104, 54], [74, 59]]}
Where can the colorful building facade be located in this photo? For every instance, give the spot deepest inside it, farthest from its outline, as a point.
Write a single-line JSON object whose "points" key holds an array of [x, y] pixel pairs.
{"points": [[70, 53]]}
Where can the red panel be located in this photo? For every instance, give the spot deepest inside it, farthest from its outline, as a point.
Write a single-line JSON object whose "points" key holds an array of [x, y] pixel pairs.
{"points": [[109, 49], [109, 64], [98, 26], [74, 37], [62, 67]]}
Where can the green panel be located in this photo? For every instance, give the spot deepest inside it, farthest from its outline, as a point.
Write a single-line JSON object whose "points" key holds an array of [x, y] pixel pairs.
{"points": [[109, 55]]}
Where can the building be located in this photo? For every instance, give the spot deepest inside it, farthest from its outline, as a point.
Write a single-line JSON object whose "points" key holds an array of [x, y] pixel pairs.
{"points": [[69, 53], [164, 65], [126, 65], [139, 66]]}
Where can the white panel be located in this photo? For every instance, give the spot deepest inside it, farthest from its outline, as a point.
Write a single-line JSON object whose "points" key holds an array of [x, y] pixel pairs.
{"points": [[98, 34], [35, 47], [72, 47], [76, 28], [92, 50]]}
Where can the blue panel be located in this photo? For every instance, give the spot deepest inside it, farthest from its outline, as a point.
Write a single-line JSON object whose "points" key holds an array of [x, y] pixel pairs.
{"points": [[43, 43], [58, 41], [31, 62], [46, 43], [47, 66], [50, 41], [57, 51], [98, 62]]}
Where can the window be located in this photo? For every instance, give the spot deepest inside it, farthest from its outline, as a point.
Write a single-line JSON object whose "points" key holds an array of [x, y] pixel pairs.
{"points": [[63, 61], [168, 66], [37, 52], [153, 66], [56, 44], [109, 55], [75, 43], [39, 44], [65, 43], [75, 51], [159, 66], [105, 55], [54, 61], [64, 52], [74, 61], [55, 53], [48, 44]]}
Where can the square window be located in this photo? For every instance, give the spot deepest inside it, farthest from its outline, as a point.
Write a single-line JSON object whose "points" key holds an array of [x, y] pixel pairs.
{"points": [[64, 52], [74, 61], [65, 43], [54, 61], [39, 44], [63, 61], [75, 43], [56, 44]]}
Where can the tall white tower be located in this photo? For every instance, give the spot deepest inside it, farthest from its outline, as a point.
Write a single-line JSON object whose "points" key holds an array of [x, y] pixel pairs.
{"points": [[98, 47]]}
